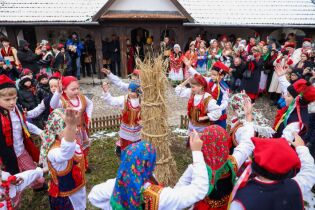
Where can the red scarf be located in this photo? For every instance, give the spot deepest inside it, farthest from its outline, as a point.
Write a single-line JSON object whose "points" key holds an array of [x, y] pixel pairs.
{"points": [[215, 93], [7, 128]]}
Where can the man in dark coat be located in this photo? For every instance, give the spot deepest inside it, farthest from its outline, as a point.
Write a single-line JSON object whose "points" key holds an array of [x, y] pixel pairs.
{"points": [[115, 55], [27, 58], [237, 69]]}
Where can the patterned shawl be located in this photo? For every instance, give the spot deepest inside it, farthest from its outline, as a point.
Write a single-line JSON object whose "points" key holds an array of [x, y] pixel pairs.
{"points": [[136, 168]]}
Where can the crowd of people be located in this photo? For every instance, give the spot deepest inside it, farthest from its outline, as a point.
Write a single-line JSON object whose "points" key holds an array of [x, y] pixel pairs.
{"points": [[252, 165]]}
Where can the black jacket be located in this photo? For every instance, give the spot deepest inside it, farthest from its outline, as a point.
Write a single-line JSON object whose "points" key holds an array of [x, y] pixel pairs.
{"points": [[26, 96], [42, 91], [28, 60], [59, 62], [13, 73], [239, 70]]}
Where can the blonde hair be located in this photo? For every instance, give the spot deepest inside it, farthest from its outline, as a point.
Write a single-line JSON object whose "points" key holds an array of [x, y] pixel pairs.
{"points": [[8, 92]]}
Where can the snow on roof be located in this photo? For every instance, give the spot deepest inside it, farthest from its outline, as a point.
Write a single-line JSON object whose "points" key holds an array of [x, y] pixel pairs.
{"points": [[49, 10], [251, 12]]}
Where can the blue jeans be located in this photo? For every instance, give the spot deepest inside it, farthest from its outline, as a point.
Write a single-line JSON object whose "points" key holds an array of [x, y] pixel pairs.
{"points": [[78, 63]]}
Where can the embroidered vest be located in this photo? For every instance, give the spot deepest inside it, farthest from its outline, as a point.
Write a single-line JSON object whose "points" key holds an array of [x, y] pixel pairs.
{"points": [[194, 112], [220, 195], [130, 115], [151, 197], [70, 180], [84, 118]]}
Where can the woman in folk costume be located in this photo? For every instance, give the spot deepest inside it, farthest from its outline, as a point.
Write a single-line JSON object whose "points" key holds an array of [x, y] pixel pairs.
{"points": [[202, 54], [11, 186], [123, 86], [294, 117], [18, 153], [136, 188], [271, 185], [192, 56], [215, 53], [64, 157], [284, 59], [264, 75], [69, 96], [176, 74], [255, 65], [221, 166], [218, 89], [130, 129], [202, 107], [9, 54], [237, 103]]}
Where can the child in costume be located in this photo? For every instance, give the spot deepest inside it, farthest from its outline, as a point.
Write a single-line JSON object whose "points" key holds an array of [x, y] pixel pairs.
{"points": [[11, 186], [218, 89], [202, 58], [135, 180], [294, 117], [17, 151], [130, 129], [192, 56], [43, 109], [63, 155], [202, 108], [69, 96], [260, 123], [176, 74], [42, 86], [272, 186]]}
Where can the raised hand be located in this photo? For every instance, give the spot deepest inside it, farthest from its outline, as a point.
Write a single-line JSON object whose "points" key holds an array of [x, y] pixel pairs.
{"points": [[248, 110], [105, 87], [72, 117], [195, 141], [280, 70], [187, 62], [298, 141], [105, 71]]}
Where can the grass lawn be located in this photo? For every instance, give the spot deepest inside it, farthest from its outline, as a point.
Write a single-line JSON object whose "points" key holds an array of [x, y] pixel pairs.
{"points": [[104, 166]]}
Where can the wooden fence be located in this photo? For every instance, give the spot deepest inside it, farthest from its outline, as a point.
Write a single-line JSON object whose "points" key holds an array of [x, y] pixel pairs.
{"points": [[105, 123], [184, 122]]}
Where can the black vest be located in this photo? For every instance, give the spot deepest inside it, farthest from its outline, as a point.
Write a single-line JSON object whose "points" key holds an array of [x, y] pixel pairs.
{"points": [[282, 195]]}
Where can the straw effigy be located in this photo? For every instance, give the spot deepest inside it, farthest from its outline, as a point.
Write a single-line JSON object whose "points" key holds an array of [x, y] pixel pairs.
{"points": [[154, 117]]}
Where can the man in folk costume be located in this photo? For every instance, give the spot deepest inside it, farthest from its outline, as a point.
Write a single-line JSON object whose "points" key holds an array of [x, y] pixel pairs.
{"points": [[130, 129], [272, 186], [222, 167], [11, 186], [216, 86], [294, 117], [17, 151], [135, 180], [123, 86], [238, 119], [9, 54], [69, 96], [176, 74], [192, 56], [202, 107], [65, 160]]}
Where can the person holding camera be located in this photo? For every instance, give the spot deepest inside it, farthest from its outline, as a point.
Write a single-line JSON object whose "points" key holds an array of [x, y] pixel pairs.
{"points": [[74, 49]]}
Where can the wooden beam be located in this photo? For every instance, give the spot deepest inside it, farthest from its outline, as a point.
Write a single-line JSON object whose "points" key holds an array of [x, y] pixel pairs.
{"points": [[102, 11], [183, 10], [99, 53], [123, 49]]}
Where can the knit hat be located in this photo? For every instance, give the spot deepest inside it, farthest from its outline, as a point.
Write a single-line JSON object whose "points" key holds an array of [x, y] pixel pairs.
{"points": [[289, 44], [261, 124], [220, 67], [41, 76], [6, 82], [26, 72], [297, 72], [201, 80], [177, 46], [56, 75], [274, 158], [60, 46], [66, 81]]}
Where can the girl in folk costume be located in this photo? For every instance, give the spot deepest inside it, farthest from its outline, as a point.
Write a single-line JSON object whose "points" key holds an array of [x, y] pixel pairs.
{"points": [[17, 151], [221, 166], [218, 89], [65, 160], [69, 96], [176, 74], [47, 58], [202, 108], [271, 186], [9, 54], [136, 188], [264, 75], [130, 129], [202, 58], [215, 53], [192, 56], [294, 117], [260, 123], [11, 186]]}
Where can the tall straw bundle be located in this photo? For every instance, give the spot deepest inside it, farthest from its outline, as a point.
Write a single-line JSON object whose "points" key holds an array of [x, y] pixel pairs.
{"points": [[154, 117]]}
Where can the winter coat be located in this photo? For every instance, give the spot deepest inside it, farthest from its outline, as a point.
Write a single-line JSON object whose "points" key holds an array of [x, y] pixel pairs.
{"points": [[28, 59], [42, 91], [26, 96]]}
